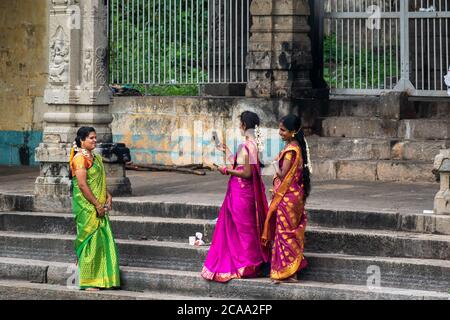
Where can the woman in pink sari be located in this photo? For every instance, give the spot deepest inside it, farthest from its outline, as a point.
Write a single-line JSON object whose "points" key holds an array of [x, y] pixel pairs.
{"points": [[236, 249], [285, 224]]}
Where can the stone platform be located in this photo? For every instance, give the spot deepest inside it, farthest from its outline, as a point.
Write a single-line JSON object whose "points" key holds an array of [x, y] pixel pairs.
{"points": [[352, 226]]}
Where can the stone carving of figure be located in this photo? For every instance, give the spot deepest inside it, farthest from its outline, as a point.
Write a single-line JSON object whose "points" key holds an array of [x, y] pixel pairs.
{"points": [[87, 71], [59, 58]]}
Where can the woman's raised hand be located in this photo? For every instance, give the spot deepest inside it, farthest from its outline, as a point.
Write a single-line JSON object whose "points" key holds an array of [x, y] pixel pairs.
{"points": [[222, 147]]}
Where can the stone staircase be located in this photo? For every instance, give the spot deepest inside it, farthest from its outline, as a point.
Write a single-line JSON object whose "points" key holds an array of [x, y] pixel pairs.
{"points": [[386, 138], [411, 251]]}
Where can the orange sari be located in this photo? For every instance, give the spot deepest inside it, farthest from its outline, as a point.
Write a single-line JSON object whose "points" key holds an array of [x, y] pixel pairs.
{"points": [[286, 219]]}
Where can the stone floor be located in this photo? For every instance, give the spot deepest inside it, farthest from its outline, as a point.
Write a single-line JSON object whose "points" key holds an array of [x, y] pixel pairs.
{"points": [[411, 198]]}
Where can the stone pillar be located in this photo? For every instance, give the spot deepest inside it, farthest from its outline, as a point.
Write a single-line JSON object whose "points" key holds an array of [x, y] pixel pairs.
{"points": [[442, 169], [279, 58], [77, 94]]}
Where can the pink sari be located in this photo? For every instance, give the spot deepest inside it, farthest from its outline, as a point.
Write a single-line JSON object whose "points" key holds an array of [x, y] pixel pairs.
{"points": [[236, 250], [286, 219]]}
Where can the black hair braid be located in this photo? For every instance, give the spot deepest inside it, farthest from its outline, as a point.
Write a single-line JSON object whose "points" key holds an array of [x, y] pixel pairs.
{"points": [[294, 123]]}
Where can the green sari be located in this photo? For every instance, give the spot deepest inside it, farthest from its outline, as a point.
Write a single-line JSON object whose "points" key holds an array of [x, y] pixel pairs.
{"points": [[98, 260]]}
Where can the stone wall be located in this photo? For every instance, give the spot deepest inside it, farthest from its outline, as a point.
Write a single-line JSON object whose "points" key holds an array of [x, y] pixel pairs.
{"points": [[152, 127], [23, 76]]}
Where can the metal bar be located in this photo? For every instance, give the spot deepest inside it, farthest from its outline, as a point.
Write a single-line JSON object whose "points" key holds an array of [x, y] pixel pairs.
{"points": [[220, 40], [372, 55], [209, 41], [123, 42], [154, 42], [231, 42], [181, 41], [440, 45], [143, 41], [165, 42], [248, 31], [354, 46], [236, 40], [128, 44], [446, 35], [203, 41], [214, 40], [342, 51], [225, 41], [242, 40], [192, 41], [117, 41], [132, 44], [159, 42], [348, 48], [170, 41], [175, 38], [378, 51], [415, 51], [423, 56], [397, 56], [360, 15], [434, 49], [428, 48], [384, 50], [196, 46], [186, 39]]}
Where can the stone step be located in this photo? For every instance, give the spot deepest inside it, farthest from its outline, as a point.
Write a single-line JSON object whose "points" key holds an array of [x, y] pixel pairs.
{"points": [[356, 127], [384, 106], [185, 284], [124, 227], [426, 107], [374, 170], [21, 290], [179, 229], [438, 224], [334, 148], [427, 129], [320, 240]]}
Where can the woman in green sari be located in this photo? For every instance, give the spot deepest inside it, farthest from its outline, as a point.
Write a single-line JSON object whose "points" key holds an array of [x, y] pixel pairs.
{"points": [[98, 260]]}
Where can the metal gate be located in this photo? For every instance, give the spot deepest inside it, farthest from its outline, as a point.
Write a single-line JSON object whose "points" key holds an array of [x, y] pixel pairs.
{"points": [[373, 46], [178, 42]]}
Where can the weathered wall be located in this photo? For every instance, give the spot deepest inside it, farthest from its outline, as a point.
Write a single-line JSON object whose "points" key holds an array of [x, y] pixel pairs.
{"points": [[23, 76], [150, 125]]}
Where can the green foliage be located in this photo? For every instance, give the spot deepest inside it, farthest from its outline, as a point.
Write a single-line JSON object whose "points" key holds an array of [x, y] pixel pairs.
{"points": [[147, 48], [351, 67]]}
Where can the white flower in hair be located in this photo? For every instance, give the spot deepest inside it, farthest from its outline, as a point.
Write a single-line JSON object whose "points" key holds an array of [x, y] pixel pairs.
{"points": [[308, 155], [259, 139]]}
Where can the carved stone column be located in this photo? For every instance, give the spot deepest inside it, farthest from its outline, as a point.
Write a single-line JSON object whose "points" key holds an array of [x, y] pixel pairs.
{"points": [[279, 57], [442, 169], [77, 94]]}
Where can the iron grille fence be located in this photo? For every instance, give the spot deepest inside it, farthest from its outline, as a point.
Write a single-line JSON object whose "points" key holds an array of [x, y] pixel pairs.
{"points": [[182, 42], [373, 46]]}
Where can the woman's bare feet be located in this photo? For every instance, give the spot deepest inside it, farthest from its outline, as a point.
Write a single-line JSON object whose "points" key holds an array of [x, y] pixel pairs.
{"points": [[291, 279], [92, 289]]}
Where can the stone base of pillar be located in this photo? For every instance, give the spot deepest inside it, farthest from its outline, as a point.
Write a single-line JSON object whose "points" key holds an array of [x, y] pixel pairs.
{"points": [[52, 194], [116, 181]]}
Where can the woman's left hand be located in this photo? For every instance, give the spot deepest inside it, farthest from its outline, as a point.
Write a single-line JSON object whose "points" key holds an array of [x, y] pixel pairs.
{"points": [[223, 170], [109, 201]]}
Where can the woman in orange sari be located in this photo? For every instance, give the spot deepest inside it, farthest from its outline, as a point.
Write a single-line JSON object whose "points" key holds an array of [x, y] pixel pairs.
{"points": [[285, 224]]}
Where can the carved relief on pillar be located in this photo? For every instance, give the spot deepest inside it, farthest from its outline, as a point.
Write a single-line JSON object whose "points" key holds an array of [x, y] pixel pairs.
{"points": [[88, 62], [101, 70], [59, 57]]}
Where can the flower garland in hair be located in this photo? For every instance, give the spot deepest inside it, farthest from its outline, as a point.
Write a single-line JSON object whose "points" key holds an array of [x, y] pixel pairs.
{"points": [[259, 139], [308, 155], [76, 149]]}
